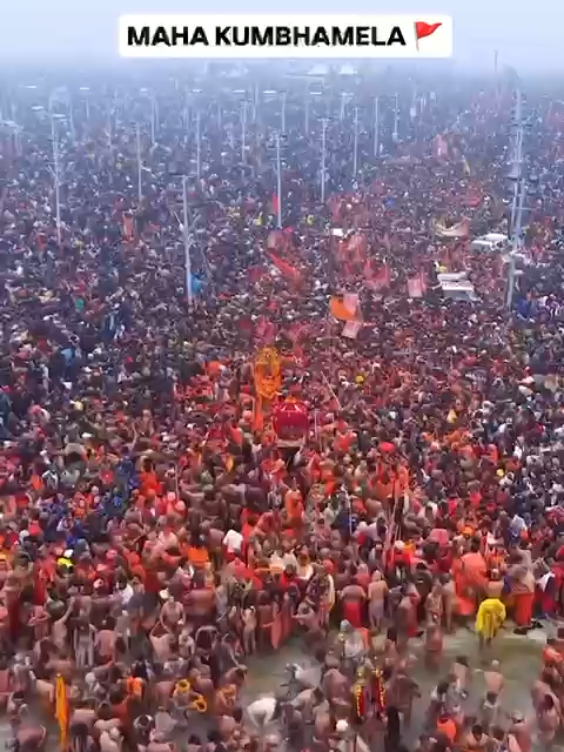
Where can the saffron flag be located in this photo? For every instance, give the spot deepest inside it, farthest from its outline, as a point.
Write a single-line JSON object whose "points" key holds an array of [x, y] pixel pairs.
{"points": [[275, 203], [345, 309], [62, 711]]}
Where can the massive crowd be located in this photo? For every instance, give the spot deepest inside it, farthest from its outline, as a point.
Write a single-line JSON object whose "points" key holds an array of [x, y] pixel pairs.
{"points": [[314, 442]]}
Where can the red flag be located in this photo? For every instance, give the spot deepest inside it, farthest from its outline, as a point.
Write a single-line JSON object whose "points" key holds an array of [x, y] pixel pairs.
{"points": [[286, 270], [423, 29], [265, 330], [417, 285], [255, 274], [381, 279], [275, 203], [275, 239]]}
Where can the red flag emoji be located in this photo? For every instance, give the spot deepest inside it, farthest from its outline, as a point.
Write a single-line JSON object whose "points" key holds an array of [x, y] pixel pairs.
{"points": [[423, 29]]}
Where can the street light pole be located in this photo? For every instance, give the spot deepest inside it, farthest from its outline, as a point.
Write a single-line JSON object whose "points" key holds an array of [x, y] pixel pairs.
{"points": [[376, 129], [198, 145], [323, 157], [153, 121], [279, 181], [355, 145], [243, 132], [343, 106], [139, 164], [56, 178], [187, 243], [283, 113]]}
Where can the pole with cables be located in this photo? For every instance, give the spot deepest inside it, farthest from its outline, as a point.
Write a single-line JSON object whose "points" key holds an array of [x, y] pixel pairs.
{"points": [[255, 103], [71, 119], [283, 113], [153, 121], [279, 181], [109, 126], [16, 131], [306, 113], [518, 202], [56, 179], [343, 107], [395, 134], [139, 164], [187, 242], [243, 132], [198, 145], [355, 143], [376, 129], [323, 157]]}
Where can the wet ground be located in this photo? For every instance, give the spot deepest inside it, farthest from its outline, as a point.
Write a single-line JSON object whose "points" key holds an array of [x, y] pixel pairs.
{"points": [[520, 658]]}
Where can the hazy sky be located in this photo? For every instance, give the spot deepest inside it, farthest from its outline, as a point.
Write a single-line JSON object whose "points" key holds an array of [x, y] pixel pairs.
{"points": [[527, 34]]}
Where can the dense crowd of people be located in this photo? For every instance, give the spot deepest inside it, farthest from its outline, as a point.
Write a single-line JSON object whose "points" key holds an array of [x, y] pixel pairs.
{"points": [[312, 441]]}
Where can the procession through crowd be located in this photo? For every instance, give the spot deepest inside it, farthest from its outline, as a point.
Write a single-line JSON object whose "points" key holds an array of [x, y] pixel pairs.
{"points": [[240, 410]]}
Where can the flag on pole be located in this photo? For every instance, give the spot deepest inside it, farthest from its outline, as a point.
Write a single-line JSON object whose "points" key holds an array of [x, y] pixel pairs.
{"points": [[288, 271], [62, 711], [381, 279], [351, 329], [417, 285], [423, 29]]}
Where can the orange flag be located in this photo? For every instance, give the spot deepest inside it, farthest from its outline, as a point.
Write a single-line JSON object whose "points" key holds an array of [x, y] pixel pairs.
{"points": [[344, 309]]}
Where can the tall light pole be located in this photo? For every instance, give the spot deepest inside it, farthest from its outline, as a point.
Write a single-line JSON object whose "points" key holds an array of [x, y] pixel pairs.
{"points": [[343, 109], [56, 178], [517, 205], [187, 243], [139, 164], [109, 125], [86, 91], [395, 134], [255, 103], [283, 113], [244, 132], [323, 157], [376, 129], [279, 181], [355, 143], [154, 116], [198, 145], [306, 112]]}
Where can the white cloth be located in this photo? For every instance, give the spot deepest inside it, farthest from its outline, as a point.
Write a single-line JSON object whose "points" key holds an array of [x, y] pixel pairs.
{"points": [[261, 711], [233, 541]]}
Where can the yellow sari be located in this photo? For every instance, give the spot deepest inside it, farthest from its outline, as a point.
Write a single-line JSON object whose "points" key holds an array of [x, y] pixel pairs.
{"points": [[490, 617]]}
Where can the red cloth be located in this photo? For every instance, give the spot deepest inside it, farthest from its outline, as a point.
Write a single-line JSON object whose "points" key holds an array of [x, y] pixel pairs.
{"points": [[352, 612]]}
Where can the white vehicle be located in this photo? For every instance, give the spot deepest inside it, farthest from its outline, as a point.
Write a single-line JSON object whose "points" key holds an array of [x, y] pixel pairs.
{"points": [[492, 242], [457, 286]]}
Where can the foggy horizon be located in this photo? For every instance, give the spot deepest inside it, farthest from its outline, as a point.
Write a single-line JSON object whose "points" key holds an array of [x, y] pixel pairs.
{"points": [[63, 33]]}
